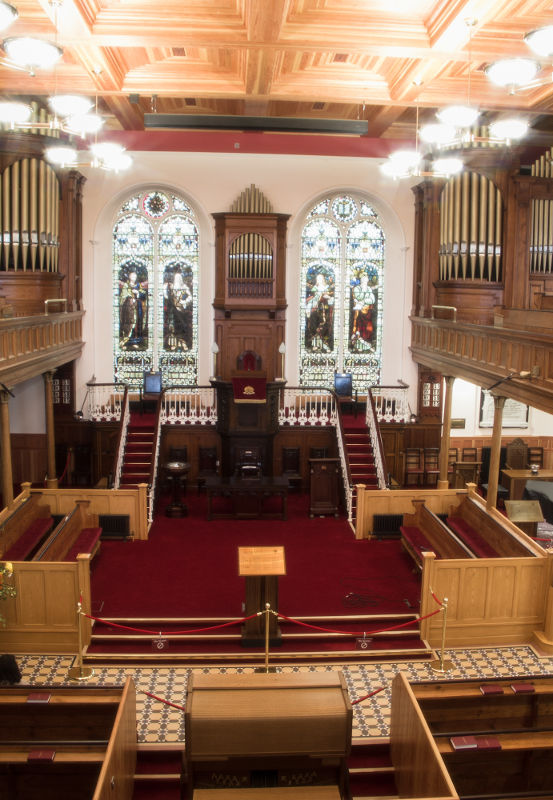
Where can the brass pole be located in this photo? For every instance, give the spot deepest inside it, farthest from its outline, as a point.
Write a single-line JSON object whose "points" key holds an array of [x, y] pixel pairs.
{"points": [[267, 612], [80, 673], [439, 665]]}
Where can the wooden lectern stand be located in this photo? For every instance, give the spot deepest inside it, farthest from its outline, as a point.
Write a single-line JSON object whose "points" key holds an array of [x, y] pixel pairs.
{"points": [[261, 567]]}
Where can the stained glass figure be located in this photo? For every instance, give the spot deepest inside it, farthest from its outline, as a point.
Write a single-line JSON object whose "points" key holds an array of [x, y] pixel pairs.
{"points": [[155, 298], [341, 282]]}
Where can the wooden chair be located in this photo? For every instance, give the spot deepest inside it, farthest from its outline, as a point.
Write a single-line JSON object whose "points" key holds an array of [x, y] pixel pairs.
{"points": [[452, 457], [291, 466], [469, 454], [517, 454], [535, 456], [414, 465], [431, 465], [208, 465]]}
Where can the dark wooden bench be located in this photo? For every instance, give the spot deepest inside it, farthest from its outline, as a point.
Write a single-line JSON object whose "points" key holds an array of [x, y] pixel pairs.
{"points": [[23, 530], [424, 531], [78, 532]]}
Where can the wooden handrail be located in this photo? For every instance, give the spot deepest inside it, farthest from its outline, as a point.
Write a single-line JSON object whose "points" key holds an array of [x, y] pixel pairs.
{"points": [[120, 434]]}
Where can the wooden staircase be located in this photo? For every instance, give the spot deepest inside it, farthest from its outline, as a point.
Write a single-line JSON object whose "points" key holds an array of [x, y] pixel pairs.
{"points": [[359, 453], [139, 449]]}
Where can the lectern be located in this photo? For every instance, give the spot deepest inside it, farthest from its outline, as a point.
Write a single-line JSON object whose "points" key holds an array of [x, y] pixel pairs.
{"points": [[261, 566]]}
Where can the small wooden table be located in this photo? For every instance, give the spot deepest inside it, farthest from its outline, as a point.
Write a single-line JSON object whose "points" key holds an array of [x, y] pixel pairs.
{"points": [[177, 471], [261, 566], [515, 480]]}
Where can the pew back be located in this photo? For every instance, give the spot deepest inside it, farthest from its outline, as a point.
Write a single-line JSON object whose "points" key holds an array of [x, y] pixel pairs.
{"points": [[497, 535], [67, 533], [16, 519]]}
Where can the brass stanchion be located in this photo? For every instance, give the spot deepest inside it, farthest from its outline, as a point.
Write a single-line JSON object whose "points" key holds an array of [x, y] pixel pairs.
{"points": [[267, 612], [439, 665], [80, 673]]}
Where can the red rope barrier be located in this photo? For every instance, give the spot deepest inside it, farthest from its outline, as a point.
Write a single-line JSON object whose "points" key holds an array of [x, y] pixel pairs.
{"points": [[358, 633], [169, 633], [65, 468], [439, 602], [161, 700], [366, 697]]}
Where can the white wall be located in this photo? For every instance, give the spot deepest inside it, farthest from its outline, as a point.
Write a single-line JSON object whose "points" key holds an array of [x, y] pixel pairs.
{"points": [[27, 409], [211, 182], [465, 405]]}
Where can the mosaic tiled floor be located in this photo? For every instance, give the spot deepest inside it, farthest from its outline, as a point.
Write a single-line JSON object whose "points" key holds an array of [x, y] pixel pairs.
{"points": [[160, 723]]}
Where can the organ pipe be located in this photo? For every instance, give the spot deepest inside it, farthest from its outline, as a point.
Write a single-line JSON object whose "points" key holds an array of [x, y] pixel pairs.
{"points": [[29, 214], [541, 226], [470, 229]]}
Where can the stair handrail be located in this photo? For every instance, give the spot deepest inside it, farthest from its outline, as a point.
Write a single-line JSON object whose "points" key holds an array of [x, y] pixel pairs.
{"points": [[392, 402], [376, 441], [346, 472], [105, 401], [201, 400], [121, 439], [307, 405], [155, 458]]}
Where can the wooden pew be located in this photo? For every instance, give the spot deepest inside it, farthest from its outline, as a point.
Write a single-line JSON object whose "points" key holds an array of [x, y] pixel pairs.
{"points": [[495, 736], [486, 536], [423, 530], [23, 527], [78, 744], [78, 532]]}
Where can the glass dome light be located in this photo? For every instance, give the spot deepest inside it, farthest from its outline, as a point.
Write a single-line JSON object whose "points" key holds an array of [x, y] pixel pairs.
{"points": [[512, 71], [106, 150], [410, 159], [541, 41], [61, 155], [393, 170], [512, 128], [15, 113], [118, 163], [26, 51], [447, 166], [437, 133], [7, 15], [459, 116], [84, 123], [66, 105]]}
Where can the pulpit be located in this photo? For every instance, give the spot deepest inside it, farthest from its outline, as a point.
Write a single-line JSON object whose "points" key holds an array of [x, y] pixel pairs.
{"points": [[261, 566]]}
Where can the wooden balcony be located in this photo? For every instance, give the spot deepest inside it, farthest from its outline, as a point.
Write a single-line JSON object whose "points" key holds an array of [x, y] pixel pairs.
{"points": [[483, 354], [30, 346]]}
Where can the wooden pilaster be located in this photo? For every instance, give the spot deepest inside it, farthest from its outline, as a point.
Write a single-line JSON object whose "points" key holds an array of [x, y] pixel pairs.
{"points": [[51, 479], [495, 453], [7, 478]]}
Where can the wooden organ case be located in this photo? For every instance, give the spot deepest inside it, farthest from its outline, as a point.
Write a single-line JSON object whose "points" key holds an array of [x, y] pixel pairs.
{"points": [[286, 735], [249, 316]]}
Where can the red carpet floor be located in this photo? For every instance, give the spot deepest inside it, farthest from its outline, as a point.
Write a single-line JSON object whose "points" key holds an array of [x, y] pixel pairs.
{"points": [[189, 568]]}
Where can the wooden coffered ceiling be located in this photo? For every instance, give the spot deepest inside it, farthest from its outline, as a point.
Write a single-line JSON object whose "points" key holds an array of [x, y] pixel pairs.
{"points": [[372, 60]]}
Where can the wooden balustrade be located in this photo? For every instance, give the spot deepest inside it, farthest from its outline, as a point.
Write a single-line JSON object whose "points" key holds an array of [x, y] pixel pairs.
{"points": [[30, 346]]}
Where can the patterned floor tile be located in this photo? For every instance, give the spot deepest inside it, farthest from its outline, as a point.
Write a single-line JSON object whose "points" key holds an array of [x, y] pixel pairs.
{"points": [[158, 722]]}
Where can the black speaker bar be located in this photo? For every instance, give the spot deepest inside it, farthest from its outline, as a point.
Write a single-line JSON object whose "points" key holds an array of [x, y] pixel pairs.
{"points": [[356, 127]]}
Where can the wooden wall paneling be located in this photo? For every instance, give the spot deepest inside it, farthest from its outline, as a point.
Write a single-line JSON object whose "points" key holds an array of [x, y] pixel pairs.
{"points": [[304, 439], [102, 501], [192, 439], [399, 501], [27, 291], [105, 442]]}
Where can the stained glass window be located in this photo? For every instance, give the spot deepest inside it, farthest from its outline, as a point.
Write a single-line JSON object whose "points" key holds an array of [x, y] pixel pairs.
{"points": [[342, 249], [155, 305]]}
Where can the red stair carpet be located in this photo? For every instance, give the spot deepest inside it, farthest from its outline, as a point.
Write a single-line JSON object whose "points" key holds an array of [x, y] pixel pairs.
{"points": [[139, 447]]}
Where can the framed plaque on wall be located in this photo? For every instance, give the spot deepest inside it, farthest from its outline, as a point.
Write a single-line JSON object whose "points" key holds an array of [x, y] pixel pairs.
{"points": [[515, 414]]}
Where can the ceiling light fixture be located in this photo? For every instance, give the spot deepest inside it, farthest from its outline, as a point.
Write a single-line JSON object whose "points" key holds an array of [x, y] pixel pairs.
{"points": [[30, 53], [8, 14], [512, 73], [541, 41]]}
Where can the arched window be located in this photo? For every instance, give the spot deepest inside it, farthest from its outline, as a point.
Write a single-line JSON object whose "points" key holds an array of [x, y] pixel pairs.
{"points": [[155, 289], [342, 252]]}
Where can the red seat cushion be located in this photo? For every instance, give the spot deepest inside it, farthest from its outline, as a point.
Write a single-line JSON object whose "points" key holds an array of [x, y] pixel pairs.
{"points": [[28, 540], [85, 543]]}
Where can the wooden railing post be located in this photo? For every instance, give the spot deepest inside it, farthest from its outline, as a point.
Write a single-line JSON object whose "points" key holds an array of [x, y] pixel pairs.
{"points": [[51, 478], [495, 453], [446, 433]]}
